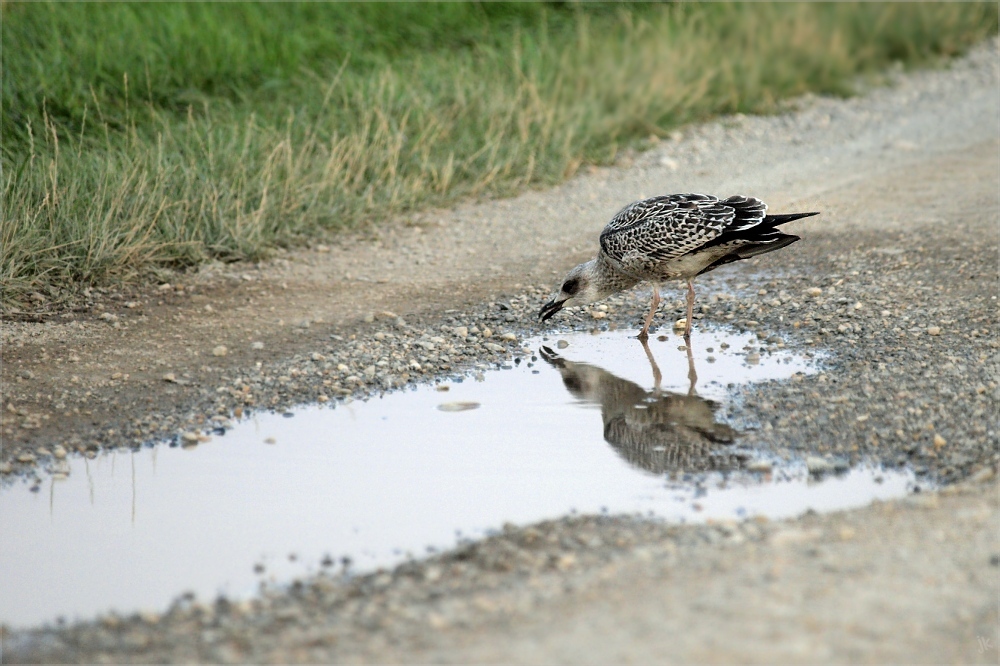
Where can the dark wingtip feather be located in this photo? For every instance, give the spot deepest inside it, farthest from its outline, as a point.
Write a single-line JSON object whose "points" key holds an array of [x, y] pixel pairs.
{"points": [[775, 220]]}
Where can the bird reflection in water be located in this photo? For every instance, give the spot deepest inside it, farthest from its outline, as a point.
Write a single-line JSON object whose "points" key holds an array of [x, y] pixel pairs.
{"points": [[658, 431]]}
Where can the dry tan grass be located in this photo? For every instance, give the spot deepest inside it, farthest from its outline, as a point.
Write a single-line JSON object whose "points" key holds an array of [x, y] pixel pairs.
{"points": [[223, 184]]}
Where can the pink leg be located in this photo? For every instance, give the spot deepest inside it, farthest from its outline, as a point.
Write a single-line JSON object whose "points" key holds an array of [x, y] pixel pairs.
{"points": [[644, 333]]}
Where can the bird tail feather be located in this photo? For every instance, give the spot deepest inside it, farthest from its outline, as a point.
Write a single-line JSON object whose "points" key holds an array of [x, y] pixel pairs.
{"points": [[776, 220], [754, 249]]}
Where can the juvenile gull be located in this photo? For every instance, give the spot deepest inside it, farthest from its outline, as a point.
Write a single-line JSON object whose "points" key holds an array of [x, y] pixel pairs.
{"points": [[671, 237]]}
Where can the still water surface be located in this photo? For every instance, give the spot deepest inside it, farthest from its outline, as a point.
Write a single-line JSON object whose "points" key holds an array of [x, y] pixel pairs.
{"points": [[582, 428]]}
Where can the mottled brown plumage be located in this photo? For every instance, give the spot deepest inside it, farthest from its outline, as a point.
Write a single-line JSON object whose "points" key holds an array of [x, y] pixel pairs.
{"points": [[670, 237]]}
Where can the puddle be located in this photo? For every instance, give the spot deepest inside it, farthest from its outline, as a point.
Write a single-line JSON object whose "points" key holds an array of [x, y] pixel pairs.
{"points": [[582, 429]]}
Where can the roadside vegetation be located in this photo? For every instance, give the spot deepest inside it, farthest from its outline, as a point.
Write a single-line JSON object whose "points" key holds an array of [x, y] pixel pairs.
{"points": [[143, 135]]}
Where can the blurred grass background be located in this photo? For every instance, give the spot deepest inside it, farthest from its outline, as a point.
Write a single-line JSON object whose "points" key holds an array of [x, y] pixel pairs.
{"points": [[140, 135]]}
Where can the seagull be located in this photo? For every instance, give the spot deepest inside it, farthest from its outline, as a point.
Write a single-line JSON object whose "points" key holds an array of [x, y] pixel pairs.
{"points": [[670, 237]]}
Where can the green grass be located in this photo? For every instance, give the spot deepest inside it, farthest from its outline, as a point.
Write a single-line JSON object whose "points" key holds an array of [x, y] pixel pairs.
{"points": [[144, 135]]}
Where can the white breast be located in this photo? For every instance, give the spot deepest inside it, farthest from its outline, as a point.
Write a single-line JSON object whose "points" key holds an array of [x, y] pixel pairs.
{"points": [[690, 265]]}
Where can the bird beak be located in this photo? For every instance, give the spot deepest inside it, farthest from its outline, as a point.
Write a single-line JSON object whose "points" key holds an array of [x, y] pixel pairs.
{"points": [[550, 309]]}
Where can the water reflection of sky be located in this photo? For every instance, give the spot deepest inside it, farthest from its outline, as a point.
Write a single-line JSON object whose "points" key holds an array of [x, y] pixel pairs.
{"points": [[378, 480]]}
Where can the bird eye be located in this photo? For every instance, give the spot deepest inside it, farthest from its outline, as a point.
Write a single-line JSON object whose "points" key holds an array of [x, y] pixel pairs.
{"points": [[571, 286]]}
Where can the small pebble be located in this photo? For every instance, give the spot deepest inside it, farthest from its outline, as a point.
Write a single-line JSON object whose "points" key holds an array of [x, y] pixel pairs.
{"points": [[566, 561], [817, 465], [220, 351], [983, 475], [458, 406]]}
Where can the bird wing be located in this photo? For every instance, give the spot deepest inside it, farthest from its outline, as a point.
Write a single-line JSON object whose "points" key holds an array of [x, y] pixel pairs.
{"points": [[658, 229]]}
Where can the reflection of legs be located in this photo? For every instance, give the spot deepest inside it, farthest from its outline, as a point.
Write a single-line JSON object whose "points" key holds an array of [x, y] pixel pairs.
{"points": [[690, 312], [692, 375], [657, 377], [644, 333]]}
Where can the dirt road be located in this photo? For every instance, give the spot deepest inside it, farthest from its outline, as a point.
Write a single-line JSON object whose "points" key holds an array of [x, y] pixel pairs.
{"points": [[905, 254]]}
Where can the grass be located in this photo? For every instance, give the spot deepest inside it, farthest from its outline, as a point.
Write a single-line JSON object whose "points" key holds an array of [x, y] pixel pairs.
{"points": [[145, 135]]}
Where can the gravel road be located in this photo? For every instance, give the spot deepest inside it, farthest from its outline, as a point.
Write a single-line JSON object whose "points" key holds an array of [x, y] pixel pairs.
{"points": [[896, 281]]}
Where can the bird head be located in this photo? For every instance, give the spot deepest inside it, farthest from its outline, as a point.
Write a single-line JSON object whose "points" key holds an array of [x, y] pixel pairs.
{"points": [[579, 286], [583, 381]]}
